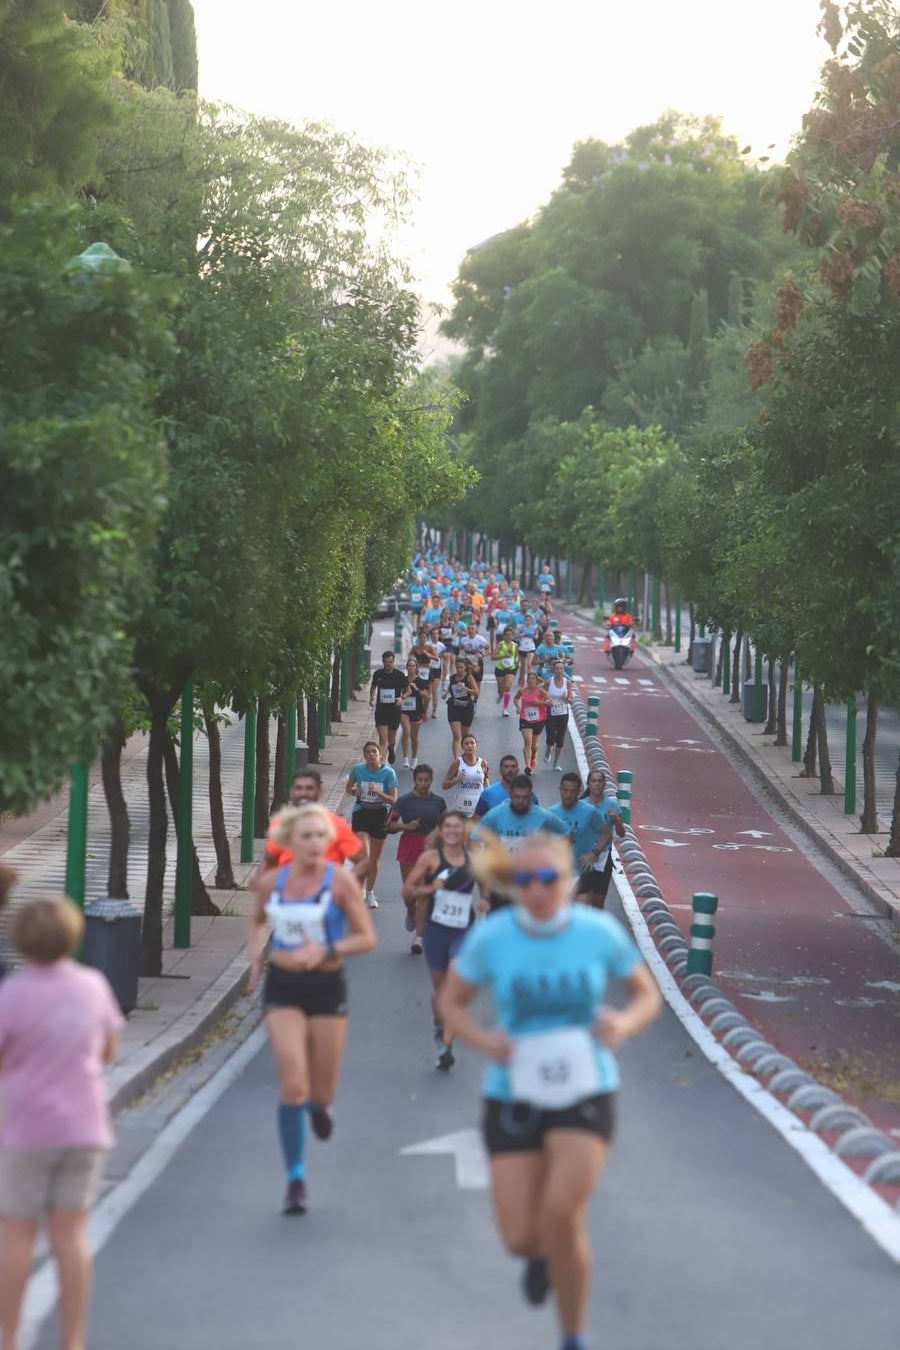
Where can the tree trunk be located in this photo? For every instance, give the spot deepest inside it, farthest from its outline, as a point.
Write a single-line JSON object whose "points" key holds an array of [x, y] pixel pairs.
{"points": [[893, 847], [736, 668], [200, 897], [669, 634], [748, 661], [301, 719], [717, 677], [784, 679], [771, 702], [119, 824], [225, 880], [692, 634], [312, 730], [868, 821], [160, 703], [279, 795], [355, 660], [826, 779], [335, 710], [263, 771]]}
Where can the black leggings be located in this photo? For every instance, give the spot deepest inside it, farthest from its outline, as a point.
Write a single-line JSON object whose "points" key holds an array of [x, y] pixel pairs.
{"points": [[556, 729]]}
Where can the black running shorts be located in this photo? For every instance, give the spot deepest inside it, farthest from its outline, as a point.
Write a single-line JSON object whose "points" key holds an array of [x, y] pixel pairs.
{"points": [[517, 1127], [318, 993]]}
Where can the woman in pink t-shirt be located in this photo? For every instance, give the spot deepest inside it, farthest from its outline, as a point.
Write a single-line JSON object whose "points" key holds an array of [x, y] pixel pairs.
{"points": [[59, 1025]]}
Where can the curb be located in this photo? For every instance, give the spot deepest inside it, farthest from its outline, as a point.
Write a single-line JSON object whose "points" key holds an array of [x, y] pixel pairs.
{"points": [[870, 1155]]}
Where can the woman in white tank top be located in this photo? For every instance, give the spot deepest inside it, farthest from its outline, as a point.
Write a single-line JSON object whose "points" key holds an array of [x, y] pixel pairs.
{"points": [[468, 777], [559, 691]]}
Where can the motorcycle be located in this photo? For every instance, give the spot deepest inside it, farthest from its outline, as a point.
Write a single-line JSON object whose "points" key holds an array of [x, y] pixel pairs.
{"points": [[620, 644]]}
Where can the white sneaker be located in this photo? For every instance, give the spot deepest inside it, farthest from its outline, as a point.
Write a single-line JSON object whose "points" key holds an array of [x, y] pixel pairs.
{"points": [[406, 761], [413, 763], [506, 712], [371, 900]]}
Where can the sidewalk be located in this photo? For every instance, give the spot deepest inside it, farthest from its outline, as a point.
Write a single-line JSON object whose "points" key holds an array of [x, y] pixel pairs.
{"points": [[820, 818], [176, 1010]]}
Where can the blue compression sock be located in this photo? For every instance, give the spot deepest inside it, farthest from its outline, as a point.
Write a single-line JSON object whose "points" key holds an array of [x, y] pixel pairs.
{"points": [[292, 1133], [572, 1343]]}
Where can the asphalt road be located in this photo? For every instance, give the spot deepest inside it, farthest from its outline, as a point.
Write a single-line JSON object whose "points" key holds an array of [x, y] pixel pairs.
{"points": [[710, 1233]]}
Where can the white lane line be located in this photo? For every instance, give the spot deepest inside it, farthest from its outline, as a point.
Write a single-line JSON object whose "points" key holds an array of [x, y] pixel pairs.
{"points": [[620, 679], [876, 1217], [648, 684], [599, 679], [112, 1209]]}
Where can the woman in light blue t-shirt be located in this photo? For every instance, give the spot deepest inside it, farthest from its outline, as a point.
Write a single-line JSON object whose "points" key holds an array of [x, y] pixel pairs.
{"points": [[550, 1086]]}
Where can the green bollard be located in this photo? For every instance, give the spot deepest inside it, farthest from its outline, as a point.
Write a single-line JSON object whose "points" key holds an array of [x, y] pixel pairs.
{"points": [[345, 679], [593, 712], [185, 823], [758, 715], [703, 930], [322, 712], [797, 720], [76, 836], [850, 760], [248, 810], [624, 785], [726, 661], [290, 759], [677, 622]]}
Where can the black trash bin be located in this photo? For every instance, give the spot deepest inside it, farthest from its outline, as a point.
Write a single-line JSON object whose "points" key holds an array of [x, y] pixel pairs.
{"points": [[700, 654], [112, 944], [747, 701]]}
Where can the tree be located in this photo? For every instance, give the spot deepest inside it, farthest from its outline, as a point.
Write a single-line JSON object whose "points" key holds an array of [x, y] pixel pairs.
{"points": [[83, 474]]}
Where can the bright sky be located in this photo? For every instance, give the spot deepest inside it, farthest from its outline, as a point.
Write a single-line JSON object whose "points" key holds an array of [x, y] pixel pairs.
{"points": [[489, 96]]}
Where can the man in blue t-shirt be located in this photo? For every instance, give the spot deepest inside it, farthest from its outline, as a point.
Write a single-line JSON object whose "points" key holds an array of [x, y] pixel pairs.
{"points": [[588, 826], [515, 820], [498, 793]]}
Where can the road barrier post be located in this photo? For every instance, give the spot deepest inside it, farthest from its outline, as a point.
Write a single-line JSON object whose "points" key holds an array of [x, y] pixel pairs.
{"points": [[703, 930], [185, 824], [797, 720], [248, 811], [624, 784], [850, 759], [593, 713], [290, 759], [758, 711], [76, 836], [345, 679]]}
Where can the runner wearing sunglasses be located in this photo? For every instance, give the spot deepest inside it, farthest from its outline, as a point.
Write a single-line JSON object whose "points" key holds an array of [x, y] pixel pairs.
{"points": [[550, 1087]]}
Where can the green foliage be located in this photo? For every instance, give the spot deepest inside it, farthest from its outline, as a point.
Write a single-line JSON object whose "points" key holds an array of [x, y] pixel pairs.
{"points": [[184, 45], [83, 471], [53, 99]]}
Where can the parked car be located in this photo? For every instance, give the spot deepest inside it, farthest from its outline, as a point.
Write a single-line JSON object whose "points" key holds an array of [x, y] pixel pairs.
{"points": [[387, 607]]}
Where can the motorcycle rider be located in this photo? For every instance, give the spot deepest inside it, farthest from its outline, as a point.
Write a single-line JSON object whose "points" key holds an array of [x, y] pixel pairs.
{"points": [[620, 614]]}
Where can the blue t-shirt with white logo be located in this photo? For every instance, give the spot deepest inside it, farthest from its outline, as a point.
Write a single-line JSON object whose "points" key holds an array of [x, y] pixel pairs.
{"points": [[541, 983], [584, 822], [496, 795], [514, 829], [384, 779]]}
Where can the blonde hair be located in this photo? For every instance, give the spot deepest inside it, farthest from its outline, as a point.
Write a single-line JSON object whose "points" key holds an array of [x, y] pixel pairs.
{"points": [[46, 929], [493, 864]]}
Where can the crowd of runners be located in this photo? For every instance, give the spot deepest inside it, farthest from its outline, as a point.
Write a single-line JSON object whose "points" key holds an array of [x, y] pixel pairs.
{"points": [[500, 892]]}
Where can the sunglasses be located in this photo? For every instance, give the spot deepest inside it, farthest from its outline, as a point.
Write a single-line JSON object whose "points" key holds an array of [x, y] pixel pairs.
{"points": [[545, 875]]}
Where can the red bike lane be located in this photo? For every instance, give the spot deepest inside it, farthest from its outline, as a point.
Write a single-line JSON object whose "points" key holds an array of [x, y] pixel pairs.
{"points": [[790, 952]]}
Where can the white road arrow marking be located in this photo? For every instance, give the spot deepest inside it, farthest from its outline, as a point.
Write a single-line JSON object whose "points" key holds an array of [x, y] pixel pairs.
{"points": [[763, 848], [668, 843], [648, 684], [689, 742], [619, 746], [769, 996], [685, 749], [859, 1002], [468, 1154], [890, 985], [756, 834]]}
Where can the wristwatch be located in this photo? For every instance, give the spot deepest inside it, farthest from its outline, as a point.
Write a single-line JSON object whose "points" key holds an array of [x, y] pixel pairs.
{"points": [[331, 951]]}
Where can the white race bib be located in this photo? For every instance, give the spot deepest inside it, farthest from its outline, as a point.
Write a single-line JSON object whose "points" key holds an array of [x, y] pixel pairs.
{"points": [[452, 909], [368, 792], [603, 859], [408, 704], [386, 695], [559, 709], [531, 713], [554, 1069], [526, 644]]}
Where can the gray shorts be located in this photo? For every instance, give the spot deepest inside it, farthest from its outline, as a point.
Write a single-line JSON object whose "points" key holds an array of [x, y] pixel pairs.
{"points": [[59, 1178]]}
